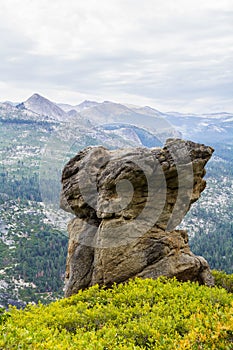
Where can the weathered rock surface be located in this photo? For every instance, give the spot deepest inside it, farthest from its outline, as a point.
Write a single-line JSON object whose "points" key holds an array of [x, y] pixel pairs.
{"points": [[127, 204]]}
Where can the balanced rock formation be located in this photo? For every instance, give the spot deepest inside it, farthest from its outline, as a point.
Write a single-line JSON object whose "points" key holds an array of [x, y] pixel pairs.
{"points": [[127, 204]]}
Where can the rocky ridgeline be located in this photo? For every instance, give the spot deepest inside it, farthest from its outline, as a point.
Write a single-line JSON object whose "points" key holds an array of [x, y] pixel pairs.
{"points": [[127, 204]]}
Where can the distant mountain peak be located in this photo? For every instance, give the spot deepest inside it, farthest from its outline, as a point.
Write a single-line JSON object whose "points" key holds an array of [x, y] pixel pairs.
{"points": [[36, 98], [87, 104], [45, 107], [36, 95]]}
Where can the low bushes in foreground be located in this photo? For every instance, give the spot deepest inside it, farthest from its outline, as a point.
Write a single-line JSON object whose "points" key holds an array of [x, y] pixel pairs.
{"points": [[222, 279], [141, 314]]}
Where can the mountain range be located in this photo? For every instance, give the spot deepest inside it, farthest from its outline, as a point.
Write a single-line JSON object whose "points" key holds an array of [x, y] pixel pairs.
{"points": [[201, 128]]}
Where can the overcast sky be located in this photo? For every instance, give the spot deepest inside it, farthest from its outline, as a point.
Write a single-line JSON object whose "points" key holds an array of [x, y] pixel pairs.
{"points": [[169, 54]]}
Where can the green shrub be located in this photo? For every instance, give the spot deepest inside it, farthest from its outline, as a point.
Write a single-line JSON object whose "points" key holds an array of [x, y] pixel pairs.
{"points": [[3, 315], [142, 314], [223, 280]]}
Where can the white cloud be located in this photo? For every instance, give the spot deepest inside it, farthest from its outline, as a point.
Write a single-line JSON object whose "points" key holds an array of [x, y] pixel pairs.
{"points": [[170, 54]]}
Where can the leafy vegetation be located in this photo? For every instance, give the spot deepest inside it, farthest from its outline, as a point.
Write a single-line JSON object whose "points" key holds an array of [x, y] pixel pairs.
{"points": [[223, 280], [142, 314]]}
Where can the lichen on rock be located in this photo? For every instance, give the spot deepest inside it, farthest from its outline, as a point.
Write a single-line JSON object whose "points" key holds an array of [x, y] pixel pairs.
{"points": [[127, 204]]}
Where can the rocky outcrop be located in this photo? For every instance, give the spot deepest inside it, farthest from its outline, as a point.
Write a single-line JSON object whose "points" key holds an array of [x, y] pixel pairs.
{"points": [[127, 204]]}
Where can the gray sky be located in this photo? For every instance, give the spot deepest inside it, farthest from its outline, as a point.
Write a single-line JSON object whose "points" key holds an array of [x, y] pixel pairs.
{"points": [[170, 54]]}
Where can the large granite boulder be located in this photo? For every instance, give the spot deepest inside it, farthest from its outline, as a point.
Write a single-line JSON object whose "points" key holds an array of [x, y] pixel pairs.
{"points": [[127, 204]]}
